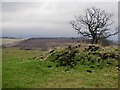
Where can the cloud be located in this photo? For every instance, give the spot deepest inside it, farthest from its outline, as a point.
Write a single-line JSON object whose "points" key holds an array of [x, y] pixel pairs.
{"points": [[46, 18], [0, 20]]}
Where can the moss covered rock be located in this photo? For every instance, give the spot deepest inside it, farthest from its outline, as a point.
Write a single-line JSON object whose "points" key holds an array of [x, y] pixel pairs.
{"points": [[92, 55]]}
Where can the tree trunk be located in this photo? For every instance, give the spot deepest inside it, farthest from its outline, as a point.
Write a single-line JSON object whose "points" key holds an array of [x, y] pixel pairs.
{"points": [[94, 41]]}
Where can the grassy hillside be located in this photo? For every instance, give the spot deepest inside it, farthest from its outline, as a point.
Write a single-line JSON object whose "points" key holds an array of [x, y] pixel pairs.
{"points": [[26, 69]]}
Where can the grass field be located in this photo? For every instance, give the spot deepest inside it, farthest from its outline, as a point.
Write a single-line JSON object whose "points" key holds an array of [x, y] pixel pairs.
{"points": [[20, 70], [0, 68]]}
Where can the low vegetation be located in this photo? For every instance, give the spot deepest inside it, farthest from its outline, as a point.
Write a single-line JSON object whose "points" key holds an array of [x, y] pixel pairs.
{"points": [[81, 66], [93, 56]]}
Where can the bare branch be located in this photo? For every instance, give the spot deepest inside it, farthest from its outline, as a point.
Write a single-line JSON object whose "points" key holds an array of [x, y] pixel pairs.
{"points": [[96, 21], [109, 35]]}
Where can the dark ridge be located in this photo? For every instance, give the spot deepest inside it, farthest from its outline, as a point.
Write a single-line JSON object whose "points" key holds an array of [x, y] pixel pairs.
{"points": [[10, 37]]}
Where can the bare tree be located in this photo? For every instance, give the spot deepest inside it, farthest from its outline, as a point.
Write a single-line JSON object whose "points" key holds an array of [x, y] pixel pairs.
{"points": [[95, 24]]}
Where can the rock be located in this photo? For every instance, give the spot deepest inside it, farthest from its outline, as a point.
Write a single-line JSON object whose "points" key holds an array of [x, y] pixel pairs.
{"points": [[109, 63], [75, 47], [92, 66], [90, 71], [79, 45], [51, 51], [41, 57], [34, 58], [66, 70], [104, 56], [49, 66], [69, 47], [92, 48], [118, 66]]}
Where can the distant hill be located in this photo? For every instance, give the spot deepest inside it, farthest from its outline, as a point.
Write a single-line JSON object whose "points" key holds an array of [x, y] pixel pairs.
{"points": [[47, 43]]}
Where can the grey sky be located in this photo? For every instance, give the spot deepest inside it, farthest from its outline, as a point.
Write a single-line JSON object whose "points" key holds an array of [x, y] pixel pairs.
{"points": [[47, 19]]}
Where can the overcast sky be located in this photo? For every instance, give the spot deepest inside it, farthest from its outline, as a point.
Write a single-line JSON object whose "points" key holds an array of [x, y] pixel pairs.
{"points": [[47, 19]]}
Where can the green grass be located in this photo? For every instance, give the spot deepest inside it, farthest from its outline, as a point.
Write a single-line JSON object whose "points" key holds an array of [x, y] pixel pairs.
{"points": [[21, 71], [0, 68]]}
